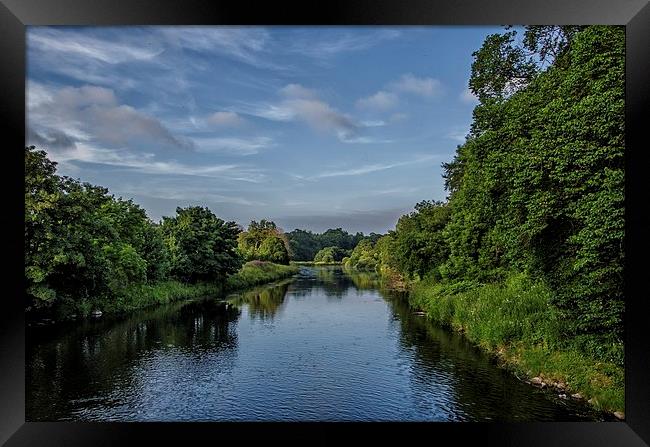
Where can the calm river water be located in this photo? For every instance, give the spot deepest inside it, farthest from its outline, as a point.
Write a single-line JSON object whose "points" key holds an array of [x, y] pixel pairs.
{"points": [[323, 346]]}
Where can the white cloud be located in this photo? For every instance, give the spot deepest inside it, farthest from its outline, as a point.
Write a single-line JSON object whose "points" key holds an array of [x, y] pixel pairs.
{"points": [[468, 97], [225, 119], [427, 87], [240, 146], [298, 91], [93, 113], [246, 44], [65, 42], [379, 101], [302, 104], [366, 169], [306, 45], [147, 163], [373, 123]]}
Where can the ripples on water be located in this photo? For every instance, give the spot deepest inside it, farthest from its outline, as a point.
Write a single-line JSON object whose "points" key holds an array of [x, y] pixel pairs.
{"points": [[325, 346]]}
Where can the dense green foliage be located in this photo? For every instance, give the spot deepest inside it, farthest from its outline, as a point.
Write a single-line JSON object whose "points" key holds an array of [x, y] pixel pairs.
{"points": [[85, 249], [330, 255], [202, 247], [303, 245], [535, 192], [264, 241], [80, 242]]}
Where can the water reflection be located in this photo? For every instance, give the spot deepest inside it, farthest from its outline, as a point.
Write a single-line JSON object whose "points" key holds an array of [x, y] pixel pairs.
{"points": [[75, 364], [262, 302], [329, 345]]}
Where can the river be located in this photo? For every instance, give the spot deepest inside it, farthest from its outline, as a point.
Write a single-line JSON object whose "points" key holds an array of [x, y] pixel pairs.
{"points": [[324, 346]]}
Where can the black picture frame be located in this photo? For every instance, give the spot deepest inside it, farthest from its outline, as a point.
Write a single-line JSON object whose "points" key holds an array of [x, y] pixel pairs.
{"points": [[16, 14]]}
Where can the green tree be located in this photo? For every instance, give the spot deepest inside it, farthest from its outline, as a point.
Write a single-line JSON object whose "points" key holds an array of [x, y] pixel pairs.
{"points": [[201, 245], [273, 249], [330, 255]]}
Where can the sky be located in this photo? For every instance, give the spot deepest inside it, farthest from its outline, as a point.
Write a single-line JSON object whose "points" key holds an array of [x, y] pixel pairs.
{"points": [[311, 127]]}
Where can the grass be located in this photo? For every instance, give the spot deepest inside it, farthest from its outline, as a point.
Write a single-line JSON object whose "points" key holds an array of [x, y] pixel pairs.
{"points": [[515, 322], [258, 272], [145, 295]]}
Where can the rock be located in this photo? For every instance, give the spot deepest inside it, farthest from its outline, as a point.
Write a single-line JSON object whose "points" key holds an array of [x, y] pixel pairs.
{"points": [[537, 381], [619, 415], [96, 313], [560, 386], [562, 396], [577, 396]]}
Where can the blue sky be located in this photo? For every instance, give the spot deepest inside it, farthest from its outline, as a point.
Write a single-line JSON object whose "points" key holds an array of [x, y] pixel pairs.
{"points": [[312, 127]]}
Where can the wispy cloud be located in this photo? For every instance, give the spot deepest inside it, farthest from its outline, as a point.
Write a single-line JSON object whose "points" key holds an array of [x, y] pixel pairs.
{"points": [[366, 169], [193, 194], [148, 164], [91, 113], [306, 45], [458, 134], [303, 104], [379, 101], [70, 43], [225, 119], [467, 96], [239, 146], [245, 44], [425, 87]]}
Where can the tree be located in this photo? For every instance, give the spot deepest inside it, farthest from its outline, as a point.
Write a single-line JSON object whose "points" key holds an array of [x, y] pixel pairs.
{"points": [[201, 245], [273, 249], [261, 242], [330, 255]]}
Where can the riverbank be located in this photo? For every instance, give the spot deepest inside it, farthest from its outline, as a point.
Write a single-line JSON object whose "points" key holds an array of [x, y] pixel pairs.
{"points": [[313, 263], [145, 295], [515, 323]]}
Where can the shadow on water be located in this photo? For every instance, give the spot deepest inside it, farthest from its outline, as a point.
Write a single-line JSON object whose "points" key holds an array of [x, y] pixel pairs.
{"points": [[67, 363], [326, 345]]}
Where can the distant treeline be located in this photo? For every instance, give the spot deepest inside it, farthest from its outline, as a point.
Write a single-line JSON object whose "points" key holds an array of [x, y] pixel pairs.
{"points": [[305, 245], [529, 246]]}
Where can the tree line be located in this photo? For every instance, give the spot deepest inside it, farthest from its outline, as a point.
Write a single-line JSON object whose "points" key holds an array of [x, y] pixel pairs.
{"points": [[538, 186], [84, 245]]}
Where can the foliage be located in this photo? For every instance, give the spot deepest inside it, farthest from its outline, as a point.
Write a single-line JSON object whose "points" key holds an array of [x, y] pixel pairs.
{"points": [[264, 241], [80, 242], [537, 187], [330, 255], [514, 319], [202, 246], [304, 244], [259, 272]]}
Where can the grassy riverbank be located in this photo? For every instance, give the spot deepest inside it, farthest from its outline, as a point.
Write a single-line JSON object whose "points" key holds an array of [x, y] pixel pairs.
{"points": [[144, 295], [515, 322]]}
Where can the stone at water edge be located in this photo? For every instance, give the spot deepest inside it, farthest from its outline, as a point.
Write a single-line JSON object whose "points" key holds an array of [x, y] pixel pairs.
{"points": [[96, 313], [619, 415], [537, 381], [577, 396]]}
